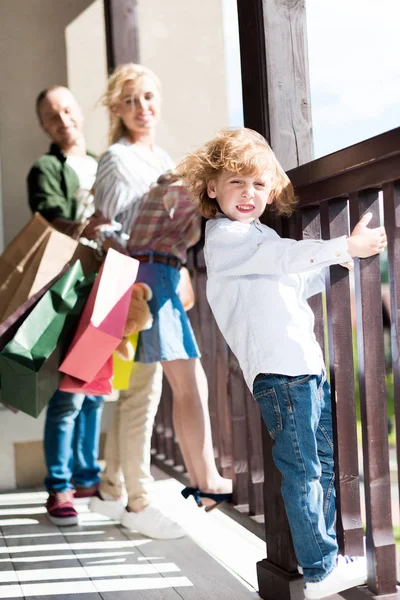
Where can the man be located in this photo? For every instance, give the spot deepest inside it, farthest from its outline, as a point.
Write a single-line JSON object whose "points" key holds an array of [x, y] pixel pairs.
{"points": [[60, 188]]}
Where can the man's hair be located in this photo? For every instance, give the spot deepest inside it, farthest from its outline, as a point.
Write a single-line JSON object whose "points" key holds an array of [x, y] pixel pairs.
{"points": [[241, 151], [42, 96], [129, 72]]}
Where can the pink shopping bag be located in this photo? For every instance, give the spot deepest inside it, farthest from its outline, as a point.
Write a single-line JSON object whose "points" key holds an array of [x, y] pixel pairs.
{"points": [[103, 319], [100, 386]]}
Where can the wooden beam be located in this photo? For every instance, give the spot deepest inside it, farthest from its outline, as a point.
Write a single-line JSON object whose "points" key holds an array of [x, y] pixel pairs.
{"points": [[276, 87], [122, 32], [253, 66]]}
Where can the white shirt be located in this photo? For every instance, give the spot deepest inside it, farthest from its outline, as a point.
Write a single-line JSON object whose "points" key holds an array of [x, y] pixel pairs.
{"points": [[86, 168], [257, 288], [126, 172]]}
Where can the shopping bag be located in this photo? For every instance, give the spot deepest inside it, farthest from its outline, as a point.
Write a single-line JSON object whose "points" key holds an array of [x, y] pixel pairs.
{"points": [[18, 258], [102, 323], [100, 386], [10, 326], [123, 368], [20, 250], [52, 253], [29, 362]]}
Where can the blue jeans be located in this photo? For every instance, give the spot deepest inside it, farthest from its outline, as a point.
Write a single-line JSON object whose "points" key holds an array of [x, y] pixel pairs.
{"points": [[71, 440], [297, 413]]}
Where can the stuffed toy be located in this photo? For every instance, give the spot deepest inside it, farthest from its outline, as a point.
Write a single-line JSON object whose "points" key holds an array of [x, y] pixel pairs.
{"points": [[139, 318]]}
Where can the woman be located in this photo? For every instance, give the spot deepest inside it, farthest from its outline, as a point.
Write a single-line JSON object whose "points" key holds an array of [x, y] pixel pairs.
{"points": [[159, 237]]}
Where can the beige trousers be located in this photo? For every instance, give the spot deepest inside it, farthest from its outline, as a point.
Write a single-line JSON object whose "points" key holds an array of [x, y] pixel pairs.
{"points": [[128, 444]]}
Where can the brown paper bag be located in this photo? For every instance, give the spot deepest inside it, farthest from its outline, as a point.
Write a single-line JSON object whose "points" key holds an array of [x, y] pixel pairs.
{"points": [[52, 251], [21, 249]]}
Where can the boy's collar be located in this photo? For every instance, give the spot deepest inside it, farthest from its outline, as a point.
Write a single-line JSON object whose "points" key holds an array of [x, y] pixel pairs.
{"points": [[256, 222]]}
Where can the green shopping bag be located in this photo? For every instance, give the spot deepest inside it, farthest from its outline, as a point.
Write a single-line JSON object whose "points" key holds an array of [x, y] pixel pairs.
{"points": [[29, 362]]}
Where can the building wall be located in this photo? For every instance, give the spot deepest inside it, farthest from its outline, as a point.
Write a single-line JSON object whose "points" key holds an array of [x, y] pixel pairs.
{"points": [[183, 42], [43, 42]]}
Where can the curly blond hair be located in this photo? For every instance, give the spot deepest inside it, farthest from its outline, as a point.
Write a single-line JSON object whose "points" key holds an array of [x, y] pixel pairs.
{"points": [[121, 75], [241, 151]]}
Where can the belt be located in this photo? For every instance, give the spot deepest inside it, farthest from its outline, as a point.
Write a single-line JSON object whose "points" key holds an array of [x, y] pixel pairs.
{"points": [[171, 261]]}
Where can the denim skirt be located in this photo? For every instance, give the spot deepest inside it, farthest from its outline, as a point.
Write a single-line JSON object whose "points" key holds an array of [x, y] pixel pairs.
{"points": [[171, 336]]}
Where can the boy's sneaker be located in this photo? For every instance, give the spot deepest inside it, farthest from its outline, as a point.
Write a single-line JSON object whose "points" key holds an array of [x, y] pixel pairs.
{"points": [[86, 492], [60, 508], [152, 523], [106, 505], [349, 572]]}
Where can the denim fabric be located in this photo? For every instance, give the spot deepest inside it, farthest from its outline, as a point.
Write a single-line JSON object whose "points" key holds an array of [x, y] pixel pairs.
{"points": [[297, 413], [71, 440], [171, 336]]}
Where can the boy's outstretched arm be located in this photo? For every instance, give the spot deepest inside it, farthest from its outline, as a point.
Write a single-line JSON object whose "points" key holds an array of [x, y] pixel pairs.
{"points": [[365, 242]]}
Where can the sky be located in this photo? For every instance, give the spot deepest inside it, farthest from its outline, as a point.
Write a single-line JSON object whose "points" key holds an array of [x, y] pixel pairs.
{"points": [[354, 61], [354, 64]]}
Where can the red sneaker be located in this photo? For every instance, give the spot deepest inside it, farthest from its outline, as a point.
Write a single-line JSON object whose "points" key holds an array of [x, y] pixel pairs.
{"points": [[86, 492], [60, 508]]}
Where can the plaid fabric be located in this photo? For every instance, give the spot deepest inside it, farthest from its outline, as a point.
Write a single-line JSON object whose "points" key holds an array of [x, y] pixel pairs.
{"points": [[167, 221]]}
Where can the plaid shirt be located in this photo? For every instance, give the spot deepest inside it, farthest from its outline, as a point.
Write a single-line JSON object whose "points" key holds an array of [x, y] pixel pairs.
{"points": [[126, 190], [167, 221]]}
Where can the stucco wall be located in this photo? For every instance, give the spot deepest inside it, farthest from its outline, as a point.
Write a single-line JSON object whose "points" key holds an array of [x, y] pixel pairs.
{"points": [[183, 42], [33, 55]]}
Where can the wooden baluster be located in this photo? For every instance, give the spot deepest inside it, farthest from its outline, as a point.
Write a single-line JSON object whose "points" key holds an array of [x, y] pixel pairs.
{"points": [[255, 456], [311, 227], [159, 430], [224, 440], [168, 425], [335, 223], [381, 550], [206, 337], [391, 199], [237, 391]]}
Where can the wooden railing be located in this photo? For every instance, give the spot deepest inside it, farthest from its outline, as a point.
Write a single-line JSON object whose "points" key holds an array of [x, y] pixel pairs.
{"points": [[333, 193]]}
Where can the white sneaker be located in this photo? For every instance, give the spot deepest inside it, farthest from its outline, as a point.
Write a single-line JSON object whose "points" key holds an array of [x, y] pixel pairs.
{"points": [[349, 572], [105, 505], [152, 523]]}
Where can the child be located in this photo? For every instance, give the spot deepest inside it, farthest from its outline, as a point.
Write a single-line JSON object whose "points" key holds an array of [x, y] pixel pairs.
{"points": [[257, 288]]}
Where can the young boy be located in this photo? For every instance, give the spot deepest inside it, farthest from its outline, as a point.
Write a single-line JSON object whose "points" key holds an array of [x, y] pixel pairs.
{"points": [[257, 288]]}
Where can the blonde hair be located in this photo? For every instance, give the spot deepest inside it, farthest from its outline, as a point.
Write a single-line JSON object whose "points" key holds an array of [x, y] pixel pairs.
{"points": [[120, 76], [241, 151]]}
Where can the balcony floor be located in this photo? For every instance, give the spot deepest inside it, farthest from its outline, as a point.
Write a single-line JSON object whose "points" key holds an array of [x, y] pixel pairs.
{"points": [[100, 559]]}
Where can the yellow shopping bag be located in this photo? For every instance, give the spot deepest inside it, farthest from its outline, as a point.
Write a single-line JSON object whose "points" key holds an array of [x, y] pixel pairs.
{"points": [[123, 368]]}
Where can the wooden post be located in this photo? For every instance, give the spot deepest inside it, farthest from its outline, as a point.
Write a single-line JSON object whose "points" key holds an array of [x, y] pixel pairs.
{"points": [[391, 197], [276, 102], [276, 87], [122, 32], [348, 522], [277, 575], [381, 549]]}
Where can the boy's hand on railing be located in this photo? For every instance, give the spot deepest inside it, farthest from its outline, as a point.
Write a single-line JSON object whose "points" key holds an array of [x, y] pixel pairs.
{"points": [[365, 242]]}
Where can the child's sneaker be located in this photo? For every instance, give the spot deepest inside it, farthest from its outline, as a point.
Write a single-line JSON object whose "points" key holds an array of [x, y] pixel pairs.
{"points": [[349, 572], [60, 508], [106, 505]]}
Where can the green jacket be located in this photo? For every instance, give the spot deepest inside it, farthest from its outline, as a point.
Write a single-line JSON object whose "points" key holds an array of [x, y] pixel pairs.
{"points": [[52, 185]]}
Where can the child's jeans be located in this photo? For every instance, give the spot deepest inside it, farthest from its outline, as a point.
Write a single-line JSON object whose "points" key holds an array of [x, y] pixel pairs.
{"points": [[297, 413]]}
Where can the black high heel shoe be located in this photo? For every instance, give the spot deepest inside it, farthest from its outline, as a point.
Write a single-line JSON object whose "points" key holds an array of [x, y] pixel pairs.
{"points": [[198, 495], [191, 491]]}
